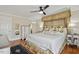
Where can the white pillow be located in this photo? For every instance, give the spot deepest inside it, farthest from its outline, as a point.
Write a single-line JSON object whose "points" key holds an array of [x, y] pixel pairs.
{"points": [[46, 29], [51, 29]]}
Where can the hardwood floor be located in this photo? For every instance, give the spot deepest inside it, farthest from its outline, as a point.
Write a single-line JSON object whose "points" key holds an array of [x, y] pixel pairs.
{"points": [[70, 50]]}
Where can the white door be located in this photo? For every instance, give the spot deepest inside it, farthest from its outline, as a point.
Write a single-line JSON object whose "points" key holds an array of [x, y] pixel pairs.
{"points": [[25, 30]]}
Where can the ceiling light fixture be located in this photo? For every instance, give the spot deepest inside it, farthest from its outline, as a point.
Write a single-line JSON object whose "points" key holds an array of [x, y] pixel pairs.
{"points": [[40, 12]]}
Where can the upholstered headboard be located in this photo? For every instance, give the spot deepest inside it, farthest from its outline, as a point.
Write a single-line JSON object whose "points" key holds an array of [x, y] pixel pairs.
{"points": [[57, 20]]}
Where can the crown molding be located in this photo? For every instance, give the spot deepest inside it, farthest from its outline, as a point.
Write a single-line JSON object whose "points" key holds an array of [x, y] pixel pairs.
{"points": [[11, 15]]}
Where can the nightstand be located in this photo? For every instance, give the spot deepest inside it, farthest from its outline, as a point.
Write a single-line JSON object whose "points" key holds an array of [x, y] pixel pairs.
{"points": [[72, 40]]}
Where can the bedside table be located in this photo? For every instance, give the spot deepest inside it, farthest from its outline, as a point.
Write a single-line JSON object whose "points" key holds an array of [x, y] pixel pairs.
{"points": [[72, 40]]}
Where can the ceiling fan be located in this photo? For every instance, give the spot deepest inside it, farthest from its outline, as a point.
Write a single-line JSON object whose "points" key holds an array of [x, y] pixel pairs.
{"points": [[41, 9]]}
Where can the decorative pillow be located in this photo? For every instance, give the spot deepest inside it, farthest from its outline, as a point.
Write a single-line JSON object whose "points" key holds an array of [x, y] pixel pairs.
{"points": [[57, 29], [60, 29], [54, 29], [46, 29], [51, 29]]}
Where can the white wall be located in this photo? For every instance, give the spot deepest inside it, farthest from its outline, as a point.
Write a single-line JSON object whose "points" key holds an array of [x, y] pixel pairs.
{"points": [[5, 25], [37, 26], [75, 21], [20, 21], [8, 23]]}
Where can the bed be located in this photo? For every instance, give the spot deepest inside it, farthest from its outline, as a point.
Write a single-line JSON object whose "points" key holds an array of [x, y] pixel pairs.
{"points": [[48, 40]]}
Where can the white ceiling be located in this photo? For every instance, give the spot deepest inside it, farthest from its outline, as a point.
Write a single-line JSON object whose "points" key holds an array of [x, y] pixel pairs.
{"points": [[24, 10]]}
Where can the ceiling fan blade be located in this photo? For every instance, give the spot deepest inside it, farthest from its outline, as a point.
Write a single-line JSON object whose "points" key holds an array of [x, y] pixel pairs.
{"points": [[46, 7], [35, 11], [41, 8], [44, 13]]}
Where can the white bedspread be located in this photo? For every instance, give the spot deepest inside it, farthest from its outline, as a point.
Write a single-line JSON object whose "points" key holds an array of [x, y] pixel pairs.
{"points": [[48, 41]]}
